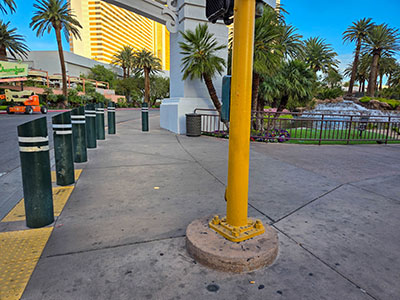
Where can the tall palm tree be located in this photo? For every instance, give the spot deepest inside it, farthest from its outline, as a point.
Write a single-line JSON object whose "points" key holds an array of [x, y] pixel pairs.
{"points": [[200, 61], [356, 33], [380, 40], [10, 4], [57, 15], [146, 61], [319, 55], [124, 58], [14, 43]]}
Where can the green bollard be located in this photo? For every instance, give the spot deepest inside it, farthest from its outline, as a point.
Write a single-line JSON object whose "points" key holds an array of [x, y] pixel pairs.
{"points": [[79, 134], [90, 115], [100, 132], [145, 116], [62, 133], [36, 175], [111, 118]]}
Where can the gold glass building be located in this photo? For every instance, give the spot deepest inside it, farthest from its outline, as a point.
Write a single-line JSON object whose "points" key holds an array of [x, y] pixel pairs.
{"points": [[107, 28]]}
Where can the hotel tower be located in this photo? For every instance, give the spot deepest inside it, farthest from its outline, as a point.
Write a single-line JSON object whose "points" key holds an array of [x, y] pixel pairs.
{"points": [[107, 28]]}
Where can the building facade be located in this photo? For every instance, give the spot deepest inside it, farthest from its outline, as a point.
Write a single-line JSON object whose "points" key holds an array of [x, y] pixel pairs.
{"points": [[107, 28]]}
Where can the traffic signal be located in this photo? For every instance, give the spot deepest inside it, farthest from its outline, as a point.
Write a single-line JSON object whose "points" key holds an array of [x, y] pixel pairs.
{"points": [[223, 10], [219, 10]]}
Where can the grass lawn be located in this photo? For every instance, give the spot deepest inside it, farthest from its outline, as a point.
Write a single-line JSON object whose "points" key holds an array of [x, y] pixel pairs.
{"points": [[3, 107], [302, 135]]}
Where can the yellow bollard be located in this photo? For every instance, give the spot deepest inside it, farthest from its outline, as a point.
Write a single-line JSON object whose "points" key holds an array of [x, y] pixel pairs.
{"points": [[236, 226]]}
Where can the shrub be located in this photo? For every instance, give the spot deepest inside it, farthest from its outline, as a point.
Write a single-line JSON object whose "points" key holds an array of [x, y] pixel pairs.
{"points": [[329, 93], [365, 99]]}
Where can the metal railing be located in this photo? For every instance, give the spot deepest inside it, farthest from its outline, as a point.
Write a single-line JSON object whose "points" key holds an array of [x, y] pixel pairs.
{"points": [[315, 127], [210, 121]]}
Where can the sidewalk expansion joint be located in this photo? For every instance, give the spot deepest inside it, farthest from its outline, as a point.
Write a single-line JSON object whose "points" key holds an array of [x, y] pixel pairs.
{"points": [[372, 192], [115, 246], [196, 161], [362, 290], [140, 165], [264, 214], [313, 200]]}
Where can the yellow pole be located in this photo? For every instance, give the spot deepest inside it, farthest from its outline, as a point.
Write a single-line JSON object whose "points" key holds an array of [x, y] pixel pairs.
{"points": [[239, 135]]}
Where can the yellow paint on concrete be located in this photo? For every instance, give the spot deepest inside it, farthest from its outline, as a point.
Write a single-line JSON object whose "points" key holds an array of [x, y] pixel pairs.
{"points": [[60, 197], [77, 175], [20, 252]]}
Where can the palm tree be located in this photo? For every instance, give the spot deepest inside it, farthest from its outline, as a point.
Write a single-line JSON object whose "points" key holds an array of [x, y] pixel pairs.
{"points": [[57, 15], [319, 55], [386, 67], [9, 40], [124, 58], [148, 63], [7, 3], [292, 86], [200, 60], [268, 52], [380, 40], [356, 33]]}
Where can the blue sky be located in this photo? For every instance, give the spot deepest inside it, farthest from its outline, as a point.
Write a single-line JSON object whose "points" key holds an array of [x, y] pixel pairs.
{"points": [[327, 19]]}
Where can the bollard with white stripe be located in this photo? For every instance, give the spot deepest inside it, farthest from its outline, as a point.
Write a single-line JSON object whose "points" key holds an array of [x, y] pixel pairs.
{"points": [[36, 176], [62, 133], [111, 118], [90, 114], [100, 132], [79, 134], [145, 116]]}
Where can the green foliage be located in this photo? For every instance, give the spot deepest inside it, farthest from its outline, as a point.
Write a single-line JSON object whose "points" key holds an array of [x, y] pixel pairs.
{"points": [[390, 93], [291, 87], [132, 88], [319, 55], [159, 88], [11, 41], [101, 73], [124, 59], [73, 98], [393, 103], [199, 50], [333, 78], [329, 93], [143, 60], [10, 4]]}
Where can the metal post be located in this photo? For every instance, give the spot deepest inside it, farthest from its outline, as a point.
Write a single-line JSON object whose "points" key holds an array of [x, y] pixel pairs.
{"points": [[111, 118], [145, 116], [388, 131], [237, 227], [321, 128], [90, 115], [79, 134], [36, 177], [62, 134], [100, 132], [349, 133]]}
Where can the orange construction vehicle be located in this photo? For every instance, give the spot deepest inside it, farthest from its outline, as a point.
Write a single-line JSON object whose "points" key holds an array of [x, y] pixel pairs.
{"points": [[24, 102]]}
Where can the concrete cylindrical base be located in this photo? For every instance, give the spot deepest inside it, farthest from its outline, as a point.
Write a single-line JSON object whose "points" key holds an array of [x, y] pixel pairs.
{"points": [[213, 250]]}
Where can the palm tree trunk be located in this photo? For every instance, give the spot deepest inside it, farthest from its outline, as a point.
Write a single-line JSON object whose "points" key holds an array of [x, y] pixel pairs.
{"points": [[62, 62], [355, 67], [124, 71], [381, 82], [254, 99], [212, 92], [359, 86], [389, 79], [3, 53], [146, 85], [373, 75]]}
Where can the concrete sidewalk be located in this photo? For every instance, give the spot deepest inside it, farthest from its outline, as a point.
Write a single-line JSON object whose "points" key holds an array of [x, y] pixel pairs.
{"points": [[122, 233]]}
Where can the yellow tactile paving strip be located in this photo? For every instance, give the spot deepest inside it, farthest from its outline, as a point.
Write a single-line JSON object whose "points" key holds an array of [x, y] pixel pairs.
{"points": [[54, 177], [60, 197], [19, 254]]}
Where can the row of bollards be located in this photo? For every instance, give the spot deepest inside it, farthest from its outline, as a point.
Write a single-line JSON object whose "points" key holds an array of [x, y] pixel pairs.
{"points": [[73, 133]]}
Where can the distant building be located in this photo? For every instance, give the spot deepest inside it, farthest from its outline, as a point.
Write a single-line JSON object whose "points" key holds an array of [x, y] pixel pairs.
{"points": [[75, 65], [107, 28]]}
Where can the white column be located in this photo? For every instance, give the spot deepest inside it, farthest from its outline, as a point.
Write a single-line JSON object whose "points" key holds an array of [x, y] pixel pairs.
{"points": [[185, 96]]}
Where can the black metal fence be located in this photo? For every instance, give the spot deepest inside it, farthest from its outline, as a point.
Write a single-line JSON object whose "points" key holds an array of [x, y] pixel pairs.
{"points": [[315, 127]]}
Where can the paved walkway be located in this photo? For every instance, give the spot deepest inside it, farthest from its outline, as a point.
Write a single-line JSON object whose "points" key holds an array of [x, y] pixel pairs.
{"points": [[121, 235]]}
